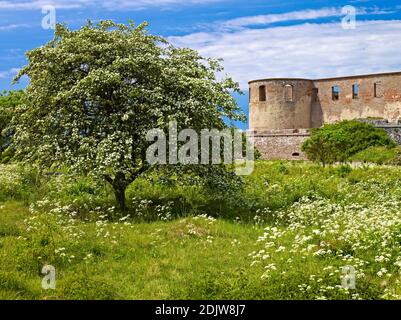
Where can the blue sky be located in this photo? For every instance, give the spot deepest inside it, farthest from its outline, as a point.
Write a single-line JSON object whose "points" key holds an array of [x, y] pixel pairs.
{"points": [[256, 38]]}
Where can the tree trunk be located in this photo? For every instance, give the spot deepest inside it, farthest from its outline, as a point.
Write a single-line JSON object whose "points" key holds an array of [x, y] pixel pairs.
{"points": [[119, 192], [119, 184]]}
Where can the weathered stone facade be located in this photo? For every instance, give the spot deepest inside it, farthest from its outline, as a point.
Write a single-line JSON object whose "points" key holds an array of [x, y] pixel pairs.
{"points": [[281, 110], [392, 129], [280, 144]]}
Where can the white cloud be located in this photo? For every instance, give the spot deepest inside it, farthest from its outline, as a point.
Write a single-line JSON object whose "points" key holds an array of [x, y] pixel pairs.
{"points": [[308, 14], [306, 50], [9, 73], [143, 4], [39, 4], [109, 5], [13, 26], [280, 17]]}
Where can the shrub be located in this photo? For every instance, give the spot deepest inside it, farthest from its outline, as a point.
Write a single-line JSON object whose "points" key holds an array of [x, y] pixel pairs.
{"points": [[343, 170], [280, 167], [17, 182], [338, 142]]}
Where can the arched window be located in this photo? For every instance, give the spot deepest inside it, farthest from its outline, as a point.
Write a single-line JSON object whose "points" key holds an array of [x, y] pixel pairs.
{"points": [[262, 93], [288, 93], [295, 154]]}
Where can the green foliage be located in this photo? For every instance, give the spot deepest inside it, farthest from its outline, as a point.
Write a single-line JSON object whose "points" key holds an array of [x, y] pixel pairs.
{"points": [[274, 186], [343, 170], [9, 101], [94, 93], [281, 167], [338, 142], [378, 155], [18, 182], [396, 160], [310, 222]]}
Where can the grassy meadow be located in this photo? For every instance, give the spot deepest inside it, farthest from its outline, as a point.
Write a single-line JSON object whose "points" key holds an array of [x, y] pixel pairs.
{"points": [[287, 234]]}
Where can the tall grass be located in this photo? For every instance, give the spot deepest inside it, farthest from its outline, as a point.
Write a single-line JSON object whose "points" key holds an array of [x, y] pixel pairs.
{"points": [[274, 185], [285, 235]]}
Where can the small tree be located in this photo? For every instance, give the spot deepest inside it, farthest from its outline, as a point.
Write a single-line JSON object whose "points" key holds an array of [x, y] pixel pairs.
{"points": [[94, 94], [338, 142], [9, 100]]}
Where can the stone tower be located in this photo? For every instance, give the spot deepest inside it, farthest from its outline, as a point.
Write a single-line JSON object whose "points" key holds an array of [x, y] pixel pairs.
{"points": [[282, 110]]}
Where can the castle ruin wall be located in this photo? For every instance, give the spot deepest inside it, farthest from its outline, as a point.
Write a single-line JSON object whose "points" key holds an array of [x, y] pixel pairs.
{"points": [[282, 110]]}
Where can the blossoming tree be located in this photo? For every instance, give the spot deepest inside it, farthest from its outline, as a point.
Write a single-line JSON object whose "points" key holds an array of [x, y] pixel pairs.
{"points": [[95, 92], [9, 100]]}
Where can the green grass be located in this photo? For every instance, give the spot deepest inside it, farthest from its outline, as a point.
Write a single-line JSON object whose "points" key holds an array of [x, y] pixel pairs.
{"points": [[378, 155], [170, 247], [183, 259]]}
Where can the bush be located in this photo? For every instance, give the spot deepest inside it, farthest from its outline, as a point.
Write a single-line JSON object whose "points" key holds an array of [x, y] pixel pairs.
{"points": [[343, 171], [18, 182], [338, 142]]}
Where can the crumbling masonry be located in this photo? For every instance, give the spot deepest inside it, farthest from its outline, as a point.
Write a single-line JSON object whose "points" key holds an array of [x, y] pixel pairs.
{"points": [[282, 110]]}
